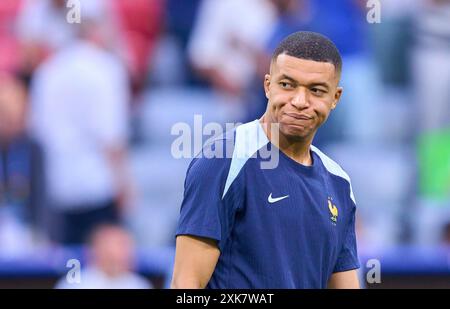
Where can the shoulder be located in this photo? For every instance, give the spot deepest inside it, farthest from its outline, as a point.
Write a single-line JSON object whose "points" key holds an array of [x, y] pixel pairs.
{"points": [[225, 156], [334, 168], [210, 166], [213, 154], [235, 145]]}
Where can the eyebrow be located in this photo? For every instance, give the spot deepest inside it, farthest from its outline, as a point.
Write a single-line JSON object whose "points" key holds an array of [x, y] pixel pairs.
{"points": [[284, 76]]}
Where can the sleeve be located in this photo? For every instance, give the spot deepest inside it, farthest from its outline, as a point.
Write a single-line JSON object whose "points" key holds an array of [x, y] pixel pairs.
{"points": [[348, 256], [203, 211]]}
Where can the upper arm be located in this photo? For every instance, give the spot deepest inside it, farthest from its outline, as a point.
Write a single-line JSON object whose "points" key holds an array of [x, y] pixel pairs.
{"points": [[206, 218], [344, 280], [195, 261], [203, 212]]}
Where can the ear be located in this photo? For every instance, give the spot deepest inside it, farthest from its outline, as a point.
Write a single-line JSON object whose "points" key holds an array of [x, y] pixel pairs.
{"points": [[266, 84], [337, 97]]}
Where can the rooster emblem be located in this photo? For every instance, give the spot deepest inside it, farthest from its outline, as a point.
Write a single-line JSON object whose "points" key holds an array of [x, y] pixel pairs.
{"points": [[333, 210]]}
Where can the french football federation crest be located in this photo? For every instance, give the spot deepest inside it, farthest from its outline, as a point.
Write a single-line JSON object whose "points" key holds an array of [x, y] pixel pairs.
{"points": [[333, 211]]}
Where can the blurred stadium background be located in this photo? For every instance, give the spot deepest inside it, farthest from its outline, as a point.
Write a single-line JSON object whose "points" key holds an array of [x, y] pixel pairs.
{"points": [[86, 111]]}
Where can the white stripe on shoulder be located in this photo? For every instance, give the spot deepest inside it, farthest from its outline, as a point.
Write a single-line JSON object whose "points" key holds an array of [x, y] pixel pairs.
{"points": [[250, 137], [334, 169]]}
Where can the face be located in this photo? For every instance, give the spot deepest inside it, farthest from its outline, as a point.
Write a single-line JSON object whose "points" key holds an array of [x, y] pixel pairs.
{"points": [[113, 249], [301, 95]]}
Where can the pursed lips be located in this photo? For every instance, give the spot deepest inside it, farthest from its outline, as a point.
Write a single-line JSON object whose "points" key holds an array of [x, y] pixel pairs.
{"points": [[298, 116]]}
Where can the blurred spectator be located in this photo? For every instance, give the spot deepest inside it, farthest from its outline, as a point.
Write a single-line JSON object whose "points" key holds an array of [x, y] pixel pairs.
{"points": [[43, 22], [344, 22], [227, 41], [21, 191], [80, 98], [293, 15], [431, 55], [392, 41], [43, 28], [135, 27], [181, 17], [140, 23], [110, 264], [9, 45]]}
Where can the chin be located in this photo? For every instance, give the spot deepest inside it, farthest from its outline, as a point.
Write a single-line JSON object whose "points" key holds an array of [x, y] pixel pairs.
{"points": [[295, 131]]}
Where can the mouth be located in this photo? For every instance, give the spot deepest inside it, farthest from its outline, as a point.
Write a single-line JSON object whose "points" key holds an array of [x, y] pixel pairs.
{"points": [[298, 116]]}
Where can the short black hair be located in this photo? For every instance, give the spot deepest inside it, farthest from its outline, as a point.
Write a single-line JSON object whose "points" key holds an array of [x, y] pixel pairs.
{"points": [[310, 46]]}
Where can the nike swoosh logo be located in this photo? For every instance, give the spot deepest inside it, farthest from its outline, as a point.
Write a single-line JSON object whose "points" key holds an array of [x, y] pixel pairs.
{"points": [[272, 200]]}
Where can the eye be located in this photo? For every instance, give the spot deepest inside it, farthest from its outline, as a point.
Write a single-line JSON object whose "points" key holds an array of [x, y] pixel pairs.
{"points": [[286, 85], [318, 91]]}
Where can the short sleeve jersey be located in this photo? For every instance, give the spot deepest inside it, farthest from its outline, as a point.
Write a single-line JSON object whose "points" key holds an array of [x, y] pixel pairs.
{"points": [[286, 226]]}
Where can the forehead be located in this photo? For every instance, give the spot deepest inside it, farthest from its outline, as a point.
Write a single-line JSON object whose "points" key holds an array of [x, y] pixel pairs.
{"points": [[303, 70]]}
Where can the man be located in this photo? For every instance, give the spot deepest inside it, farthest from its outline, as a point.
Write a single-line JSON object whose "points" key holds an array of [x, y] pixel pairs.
{"points": [[21, 169], [292, 226], [79, 115], [111, 262]]}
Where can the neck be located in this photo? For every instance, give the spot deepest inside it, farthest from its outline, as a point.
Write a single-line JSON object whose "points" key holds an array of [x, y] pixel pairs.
{"points": [[295, 148]]}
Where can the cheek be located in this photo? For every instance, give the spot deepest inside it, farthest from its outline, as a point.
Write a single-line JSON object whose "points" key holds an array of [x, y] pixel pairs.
{"points": [[322, 109], [278, 100]]}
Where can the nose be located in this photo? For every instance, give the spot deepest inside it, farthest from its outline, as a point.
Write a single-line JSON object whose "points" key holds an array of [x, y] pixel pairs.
{"points": [[300, 99]]}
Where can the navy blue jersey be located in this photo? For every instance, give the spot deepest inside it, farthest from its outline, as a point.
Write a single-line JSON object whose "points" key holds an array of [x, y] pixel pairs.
{"points": [[291, 226]]}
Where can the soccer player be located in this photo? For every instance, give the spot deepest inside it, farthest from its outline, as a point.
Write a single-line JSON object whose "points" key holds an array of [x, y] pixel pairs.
{"points": [[291, 226]]}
